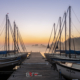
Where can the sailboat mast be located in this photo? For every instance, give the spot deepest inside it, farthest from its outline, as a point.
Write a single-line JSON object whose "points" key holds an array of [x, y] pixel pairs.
{"points": [[14, 38], [17, 38], [60, 35], [8, 36], [54, 36], [6, 33], [69, 31], [65, 34], [54, 31]]}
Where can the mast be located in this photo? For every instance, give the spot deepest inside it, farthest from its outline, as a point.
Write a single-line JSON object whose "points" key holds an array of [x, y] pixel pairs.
{"points": [[8, 36], [60, 35], [49, 41], [14, 38], [54, 31], [54, 35], [6, 33], [65, 33], [17, 38], [69, 31]]}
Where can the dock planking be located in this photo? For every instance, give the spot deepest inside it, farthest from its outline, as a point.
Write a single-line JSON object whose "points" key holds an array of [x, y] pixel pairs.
{"points": [[35, 68]]}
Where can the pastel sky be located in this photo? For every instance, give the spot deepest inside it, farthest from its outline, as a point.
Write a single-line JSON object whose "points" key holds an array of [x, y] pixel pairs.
{"points": [[35, 18]]}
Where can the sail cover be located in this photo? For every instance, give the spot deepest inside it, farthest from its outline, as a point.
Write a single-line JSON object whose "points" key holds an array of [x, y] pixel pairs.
{"points": [[72, 52], [3, 52]]}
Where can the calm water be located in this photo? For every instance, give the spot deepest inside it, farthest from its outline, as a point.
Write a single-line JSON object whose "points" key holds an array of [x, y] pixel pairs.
{"points": [[40, 49]]}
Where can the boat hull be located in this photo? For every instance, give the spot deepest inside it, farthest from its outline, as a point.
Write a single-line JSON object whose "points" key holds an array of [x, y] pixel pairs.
{"points": [[68, 72], [66, 60], [48, 57], [12, 61]]}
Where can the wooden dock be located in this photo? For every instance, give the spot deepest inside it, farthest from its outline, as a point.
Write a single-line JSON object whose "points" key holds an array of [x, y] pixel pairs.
{"points": [[35, 68]]}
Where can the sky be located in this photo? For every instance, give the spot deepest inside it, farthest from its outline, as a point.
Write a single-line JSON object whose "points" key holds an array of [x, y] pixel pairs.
{"points": [[35, 18]]}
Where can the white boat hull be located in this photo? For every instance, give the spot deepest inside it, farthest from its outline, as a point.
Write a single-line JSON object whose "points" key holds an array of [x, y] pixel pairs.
{"points": [[68, 71]]}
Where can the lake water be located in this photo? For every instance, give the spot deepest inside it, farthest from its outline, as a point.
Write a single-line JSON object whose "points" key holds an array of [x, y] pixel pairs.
{"points": [[40, 49]]}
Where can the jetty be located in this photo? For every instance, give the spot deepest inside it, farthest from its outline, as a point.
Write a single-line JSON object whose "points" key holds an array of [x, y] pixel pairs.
{"points": [[35, 68]]}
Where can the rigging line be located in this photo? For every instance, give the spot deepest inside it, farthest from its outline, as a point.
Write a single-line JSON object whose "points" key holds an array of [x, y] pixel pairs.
{"points": [[75, 27], [55, 34], [11, 30], [12, 33], [76, 15], [2, 22], [57, 27], [67, 11], [49, 38], [61, 22], [19, 49], [2, 30], [21, 38], [74, 43], [59, 30], [59, 37], [21, 44], [22, 41], [1, 46]]}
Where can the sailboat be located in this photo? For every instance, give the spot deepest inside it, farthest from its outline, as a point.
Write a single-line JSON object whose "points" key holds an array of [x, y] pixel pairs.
{"points": [[69, 70], [70, 53], [10, 58], [67, 64]]}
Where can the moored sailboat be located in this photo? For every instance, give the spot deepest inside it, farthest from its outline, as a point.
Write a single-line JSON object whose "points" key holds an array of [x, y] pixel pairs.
{"points": [[69, 70], [12, 57], [68, 61]]}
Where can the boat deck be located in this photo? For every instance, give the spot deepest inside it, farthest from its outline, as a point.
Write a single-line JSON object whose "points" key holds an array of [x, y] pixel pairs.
{"points": [[35, 68]]}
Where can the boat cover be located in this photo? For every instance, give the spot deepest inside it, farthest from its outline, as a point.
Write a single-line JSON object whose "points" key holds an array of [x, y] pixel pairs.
{"points": [[3, 52], [72, 52]]}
